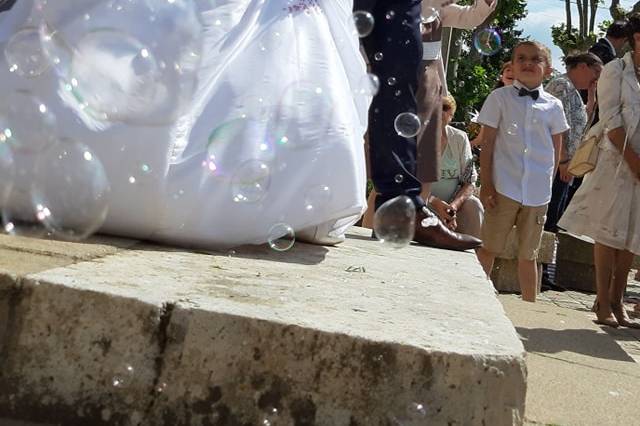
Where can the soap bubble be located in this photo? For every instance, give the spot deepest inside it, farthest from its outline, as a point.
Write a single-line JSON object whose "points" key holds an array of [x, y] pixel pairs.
{"points": [[124, 61], [430, 15], [71, 189], [114, 76], [487, 41], [394, 222], [407, 124], [391, 81], [368, 85], [364, 22], [378, 56], [24, 53], [398, 178], [317, 198], [281, 237], [416, 411], [512, 129], [250, 182], [26, 123]]}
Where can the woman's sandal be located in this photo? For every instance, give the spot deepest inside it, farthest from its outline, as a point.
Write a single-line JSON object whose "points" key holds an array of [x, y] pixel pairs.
{"points": [[610, 320], [621, 315]]}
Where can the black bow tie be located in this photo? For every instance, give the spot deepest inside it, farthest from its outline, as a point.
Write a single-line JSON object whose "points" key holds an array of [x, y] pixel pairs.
{"points": [[535, 94]]}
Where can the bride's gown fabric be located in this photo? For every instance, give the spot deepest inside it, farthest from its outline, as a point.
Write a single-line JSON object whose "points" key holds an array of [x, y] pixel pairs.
{"points": [[275, 98]]}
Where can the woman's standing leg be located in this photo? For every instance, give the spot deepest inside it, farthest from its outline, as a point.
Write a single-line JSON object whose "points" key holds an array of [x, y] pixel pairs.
{"points": [[604, 259], [623, 261]]}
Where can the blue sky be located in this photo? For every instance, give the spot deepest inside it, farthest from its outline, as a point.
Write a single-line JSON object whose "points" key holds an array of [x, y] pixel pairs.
{"points": [[545, 13]]}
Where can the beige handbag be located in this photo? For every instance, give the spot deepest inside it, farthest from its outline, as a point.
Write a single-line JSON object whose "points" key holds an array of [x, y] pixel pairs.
{"points": [[585, 158]]}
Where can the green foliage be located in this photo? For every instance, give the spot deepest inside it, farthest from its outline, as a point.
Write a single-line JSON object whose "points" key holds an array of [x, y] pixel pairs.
{"points": [[571, 41], [477, 75]]}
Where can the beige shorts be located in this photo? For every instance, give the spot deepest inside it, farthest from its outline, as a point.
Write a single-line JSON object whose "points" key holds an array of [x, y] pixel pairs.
{"points": [[498, 221]]}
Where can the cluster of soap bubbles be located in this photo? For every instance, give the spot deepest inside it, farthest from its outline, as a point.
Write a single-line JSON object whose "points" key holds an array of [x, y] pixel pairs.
{"points": [[118, 61], [50, 185]]}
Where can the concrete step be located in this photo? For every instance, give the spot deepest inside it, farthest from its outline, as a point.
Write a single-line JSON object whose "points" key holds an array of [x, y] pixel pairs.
{"points": [[575, 268], [353, 335], [504, 275]]}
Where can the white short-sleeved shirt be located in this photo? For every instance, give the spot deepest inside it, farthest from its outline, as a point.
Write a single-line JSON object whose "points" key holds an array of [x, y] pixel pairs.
{"points": [[523, 156]]}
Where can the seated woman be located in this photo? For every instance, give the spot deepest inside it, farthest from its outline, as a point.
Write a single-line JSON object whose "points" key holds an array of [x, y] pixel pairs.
{"points": [[452, 195], [270, 132]]}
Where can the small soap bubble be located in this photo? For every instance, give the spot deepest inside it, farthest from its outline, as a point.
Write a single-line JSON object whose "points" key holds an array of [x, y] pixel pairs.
{"points": [[369, 85], [416, 411], [430, 15], [391, 81], [378, 56], [281, 237], [397, 92], [407, 124], [364, 22], [250, 182], [487, 41], [317, 198], [394, 222], [24, 53], [398, 178], [512, 129], [390, 15]]}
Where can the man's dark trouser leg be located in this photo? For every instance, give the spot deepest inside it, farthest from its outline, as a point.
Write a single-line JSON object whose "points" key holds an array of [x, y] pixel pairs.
{"points": [[394, 50], [558, 203]]}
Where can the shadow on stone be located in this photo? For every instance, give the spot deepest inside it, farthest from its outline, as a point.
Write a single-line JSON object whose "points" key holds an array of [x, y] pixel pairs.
{"points": [[586, 342]]}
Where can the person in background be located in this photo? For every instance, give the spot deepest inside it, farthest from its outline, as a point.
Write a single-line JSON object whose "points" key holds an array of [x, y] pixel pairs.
{"points": [[606, 207], [582, 73], [608, 47], [505, 79], [452, 195], [518, 162]]}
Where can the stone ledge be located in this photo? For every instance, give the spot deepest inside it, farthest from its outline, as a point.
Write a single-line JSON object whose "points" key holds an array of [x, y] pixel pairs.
{"points": [[327, 336]]}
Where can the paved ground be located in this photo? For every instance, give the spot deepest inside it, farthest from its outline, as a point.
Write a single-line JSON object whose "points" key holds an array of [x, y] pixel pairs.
{"points": [[579, 373]]}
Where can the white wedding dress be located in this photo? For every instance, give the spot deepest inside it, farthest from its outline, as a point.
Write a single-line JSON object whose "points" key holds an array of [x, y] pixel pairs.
{"points": [[273, 133]]}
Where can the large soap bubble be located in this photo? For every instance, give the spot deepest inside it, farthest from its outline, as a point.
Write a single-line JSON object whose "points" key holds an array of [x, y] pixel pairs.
{"points": [[132, 61], [70, 190]]}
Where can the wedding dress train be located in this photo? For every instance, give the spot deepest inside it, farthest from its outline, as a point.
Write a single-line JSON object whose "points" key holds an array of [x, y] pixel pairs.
{"points": [[272, 133]]}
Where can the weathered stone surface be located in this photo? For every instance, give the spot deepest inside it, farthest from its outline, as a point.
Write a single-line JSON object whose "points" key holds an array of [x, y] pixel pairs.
{"points": [[22, 255], [326, 336], [76, 356]]}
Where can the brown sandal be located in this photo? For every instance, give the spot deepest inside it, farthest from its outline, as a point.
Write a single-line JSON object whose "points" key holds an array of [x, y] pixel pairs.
{"points": [[621, 315], [609, 320]]}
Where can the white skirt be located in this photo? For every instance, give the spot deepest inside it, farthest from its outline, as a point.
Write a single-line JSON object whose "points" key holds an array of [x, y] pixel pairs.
{"points": [[606, 207], [278, 86]]}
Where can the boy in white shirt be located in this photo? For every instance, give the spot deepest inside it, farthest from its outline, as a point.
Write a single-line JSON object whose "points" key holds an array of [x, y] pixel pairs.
{"points": [[523, 128]]}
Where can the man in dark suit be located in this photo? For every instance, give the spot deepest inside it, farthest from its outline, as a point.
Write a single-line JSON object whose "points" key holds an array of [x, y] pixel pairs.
{"points": [[607, 48], [394, 51], [6, 5]]}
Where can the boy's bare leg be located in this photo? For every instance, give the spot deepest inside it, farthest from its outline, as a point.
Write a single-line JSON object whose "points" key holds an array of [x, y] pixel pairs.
{"points": [[486, 259], [528, 278]]}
